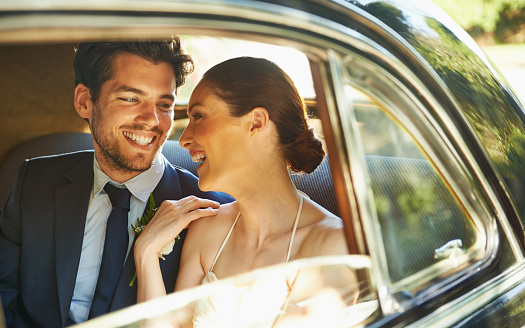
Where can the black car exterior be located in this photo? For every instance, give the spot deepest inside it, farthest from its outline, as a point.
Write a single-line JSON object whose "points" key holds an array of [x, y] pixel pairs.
{"points": [[443, 102]]}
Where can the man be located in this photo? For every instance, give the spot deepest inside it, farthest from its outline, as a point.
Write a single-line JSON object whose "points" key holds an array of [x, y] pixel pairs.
{"points": [[54, 245]]}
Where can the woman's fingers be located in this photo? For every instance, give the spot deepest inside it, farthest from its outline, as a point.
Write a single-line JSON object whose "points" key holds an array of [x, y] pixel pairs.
{"points": [[197, 203], [176, 208], [171, 218], [185, 210], [202, 212], [192, 201]]}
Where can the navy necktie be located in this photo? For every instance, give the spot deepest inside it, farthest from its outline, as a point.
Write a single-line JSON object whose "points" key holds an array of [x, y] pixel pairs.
{"points": [[115, 249]]}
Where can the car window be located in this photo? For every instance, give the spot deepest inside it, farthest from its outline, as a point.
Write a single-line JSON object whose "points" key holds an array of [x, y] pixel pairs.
{"points": [[421, 221], [291, 60], [502, 131], [427, 227], [356, 300], [322, 291]]}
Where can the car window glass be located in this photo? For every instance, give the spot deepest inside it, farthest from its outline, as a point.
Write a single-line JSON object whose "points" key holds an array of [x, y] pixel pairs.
{"points": [[291, 60], [315, 292], [421, 221], [488, 104]]}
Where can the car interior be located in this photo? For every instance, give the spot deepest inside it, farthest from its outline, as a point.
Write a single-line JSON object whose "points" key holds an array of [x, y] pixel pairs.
{"points": [[40, 120], [317, 185]]}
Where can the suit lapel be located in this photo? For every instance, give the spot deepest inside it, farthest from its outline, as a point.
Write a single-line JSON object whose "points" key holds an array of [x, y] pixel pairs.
{"points": [[71, 204], [168, 187]]}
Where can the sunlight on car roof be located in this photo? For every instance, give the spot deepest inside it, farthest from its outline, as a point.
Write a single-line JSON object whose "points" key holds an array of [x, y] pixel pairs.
{"points": [[209, 51]]}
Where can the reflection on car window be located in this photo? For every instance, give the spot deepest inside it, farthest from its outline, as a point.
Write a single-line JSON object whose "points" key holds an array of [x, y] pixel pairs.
{"points": [[322, 292], [421, 222], [290, 60]]}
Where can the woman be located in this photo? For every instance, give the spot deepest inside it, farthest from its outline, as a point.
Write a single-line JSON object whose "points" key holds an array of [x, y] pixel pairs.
{"points": [[248, 127]]}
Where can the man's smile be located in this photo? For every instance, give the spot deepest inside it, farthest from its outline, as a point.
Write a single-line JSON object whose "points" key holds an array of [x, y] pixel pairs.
{"points": [[141, 140]]}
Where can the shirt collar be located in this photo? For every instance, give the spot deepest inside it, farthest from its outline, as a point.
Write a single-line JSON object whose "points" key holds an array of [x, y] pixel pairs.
{"points": [[140, 186]]}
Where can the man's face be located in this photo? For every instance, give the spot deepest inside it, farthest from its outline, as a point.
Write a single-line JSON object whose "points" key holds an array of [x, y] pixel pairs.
{"points": [[133, 116]]}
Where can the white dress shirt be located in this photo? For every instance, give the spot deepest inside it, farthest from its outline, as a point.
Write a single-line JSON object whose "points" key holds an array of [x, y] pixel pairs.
{"points": [[95, 230]]}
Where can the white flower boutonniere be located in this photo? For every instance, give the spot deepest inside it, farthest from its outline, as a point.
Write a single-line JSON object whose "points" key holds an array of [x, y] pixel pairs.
{"points": [[141, 224]]}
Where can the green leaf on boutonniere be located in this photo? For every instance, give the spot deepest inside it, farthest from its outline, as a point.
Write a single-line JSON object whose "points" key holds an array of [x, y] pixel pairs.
{"points": [[148, 215], [141, 224]]}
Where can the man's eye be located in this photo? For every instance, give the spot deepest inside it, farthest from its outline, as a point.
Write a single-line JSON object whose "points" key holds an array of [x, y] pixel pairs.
{"points": [[128, 99], [165, 107], [196, 116]]}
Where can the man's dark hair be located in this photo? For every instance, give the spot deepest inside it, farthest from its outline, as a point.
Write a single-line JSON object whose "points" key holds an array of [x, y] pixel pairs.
{"points": [[93, 63]]}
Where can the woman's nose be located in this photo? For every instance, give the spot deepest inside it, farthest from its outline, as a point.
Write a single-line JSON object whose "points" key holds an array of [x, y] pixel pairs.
{"points": [[186, 139]]}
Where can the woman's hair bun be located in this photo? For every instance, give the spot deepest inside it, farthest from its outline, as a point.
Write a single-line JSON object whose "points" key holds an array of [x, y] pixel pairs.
{"points": [[245, 83], [306, 153]]}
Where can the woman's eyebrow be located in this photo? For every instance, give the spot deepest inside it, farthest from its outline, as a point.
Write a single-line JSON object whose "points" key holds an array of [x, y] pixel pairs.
{"points": [[191, 107]]}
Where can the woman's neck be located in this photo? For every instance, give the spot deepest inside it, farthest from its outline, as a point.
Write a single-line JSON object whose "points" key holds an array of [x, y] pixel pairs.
{"points": [[268, 208]]}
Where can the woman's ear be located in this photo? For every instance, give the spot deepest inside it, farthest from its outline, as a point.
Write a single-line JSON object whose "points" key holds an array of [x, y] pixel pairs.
{"points": [[259, 119], [83, 103]]}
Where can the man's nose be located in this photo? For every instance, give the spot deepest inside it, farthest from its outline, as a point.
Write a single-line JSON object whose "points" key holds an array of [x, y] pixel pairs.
{"points": [[148, 115]]}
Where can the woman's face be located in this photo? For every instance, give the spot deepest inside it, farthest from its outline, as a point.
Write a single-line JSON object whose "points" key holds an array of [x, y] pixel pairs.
{"points": [[216, 139]]}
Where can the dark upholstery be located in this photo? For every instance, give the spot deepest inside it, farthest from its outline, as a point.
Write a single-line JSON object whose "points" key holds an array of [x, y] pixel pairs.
{"points": [[416, 211], [317, 185], [52, 144]]}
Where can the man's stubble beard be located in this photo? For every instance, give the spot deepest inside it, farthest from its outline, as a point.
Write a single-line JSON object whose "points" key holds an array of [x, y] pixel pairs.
{"points": [[110, 149]]}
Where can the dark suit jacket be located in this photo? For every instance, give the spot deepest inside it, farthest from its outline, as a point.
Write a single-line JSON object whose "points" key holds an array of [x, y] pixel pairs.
{"points": [[41, 232]]}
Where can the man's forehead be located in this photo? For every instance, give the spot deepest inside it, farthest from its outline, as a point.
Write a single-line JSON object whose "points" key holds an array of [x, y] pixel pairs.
{"points": [[127, 69], [130, 62]]}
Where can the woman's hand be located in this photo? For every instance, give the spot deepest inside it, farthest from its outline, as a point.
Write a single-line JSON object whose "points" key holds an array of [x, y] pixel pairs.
{"points": [[171, 218], [168, 222]]}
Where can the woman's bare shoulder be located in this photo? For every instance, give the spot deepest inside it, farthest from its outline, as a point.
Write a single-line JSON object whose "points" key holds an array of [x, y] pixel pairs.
{"points": [[206, 235], [325, 235], [211, 223]]}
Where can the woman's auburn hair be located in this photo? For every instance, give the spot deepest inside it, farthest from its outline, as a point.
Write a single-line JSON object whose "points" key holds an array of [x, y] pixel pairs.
{"points": [[245, 83]]}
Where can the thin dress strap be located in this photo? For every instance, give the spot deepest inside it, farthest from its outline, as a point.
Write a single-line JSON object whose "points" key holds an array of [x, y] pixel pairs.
{"points": [[285, 303], [291, 239], [225, 241], [295, 227]]}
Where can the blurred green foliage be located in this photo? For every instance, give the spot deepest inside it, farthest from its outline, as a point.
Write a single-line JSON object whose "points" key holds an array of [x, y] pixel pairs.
{"points": [[502, 18], [487, 105]]}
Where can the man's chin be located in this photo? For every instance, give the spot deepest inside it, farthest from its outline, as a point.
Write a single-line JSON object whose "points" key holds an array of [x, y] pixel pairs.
{"points": [[141, 161], [133, 164], [139, 164]]}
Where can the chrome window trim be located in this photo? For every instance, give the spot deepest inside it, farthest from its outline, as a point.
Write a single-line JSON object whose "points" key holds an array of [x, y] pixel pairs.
{"points": [[434, 278], [343, 187], [398, 105], [467, 304], [486, 226], [361, 185]]}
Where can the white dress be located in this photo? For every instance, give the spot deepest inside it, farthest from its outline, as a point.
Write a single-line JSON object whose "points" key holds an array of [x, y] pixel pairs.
{"points": [[258, 305]]}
